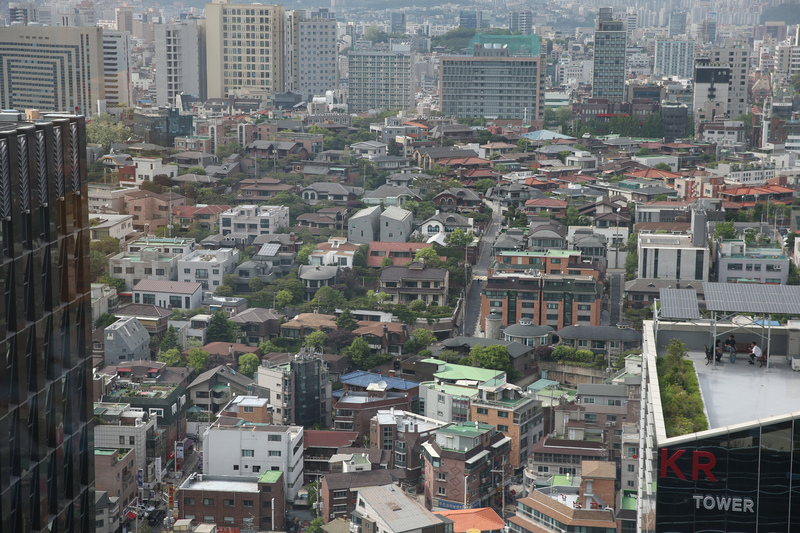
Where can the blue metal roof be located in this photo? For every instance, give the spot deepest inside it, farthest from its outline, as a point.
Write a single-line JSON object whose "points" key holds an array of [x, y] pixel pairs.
{"points": [[362, 378]]}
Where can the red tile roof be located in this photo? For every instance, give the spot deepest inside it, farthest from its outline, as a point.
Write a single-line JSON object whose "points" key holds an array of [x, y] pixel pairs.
{"points": [[546, 202], [380, 246], [483, 519], [313, 438], [652, 173]]}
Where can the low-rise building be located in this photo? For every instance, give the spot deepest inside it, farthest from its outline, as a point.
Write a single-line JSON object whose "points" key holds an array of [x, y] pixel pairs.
{"points": [[337, 251], [464, 466], [388, 508], [207, 267], [235, 447], [258, 325], [339, 492], [117, 226], [561, 457], [169, 294], [737, 262], [445, 222], [459, 200], [151, 210], [213, 389], [396, 225], [115, 473], [245, 222], [240, 502], [355, 409], [316, 276], [612, 340], [682, 257], [126, 340], [405, 284], [319, 447], [399, 252], [364, 226], [307, 323]]}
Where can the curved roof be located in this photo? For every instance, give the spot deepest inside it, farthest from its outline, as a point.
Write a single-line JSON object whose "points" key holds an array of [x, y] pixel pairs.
{"points": [[599, 333], [317, 272], [527, 330]]}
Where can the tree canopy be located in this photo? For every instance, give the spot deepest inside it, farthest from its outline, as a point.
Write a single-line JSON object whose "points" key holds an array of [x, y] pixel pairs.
{"points": [[248, 364], [169, 340], [346, 321], [220, 329], [105, 131]]}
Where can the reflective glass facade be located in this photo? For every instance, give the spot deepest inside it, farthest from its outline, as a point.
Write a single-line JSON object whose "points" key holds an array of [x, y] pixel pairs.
{"points": [[46, 450], [746, 480]]}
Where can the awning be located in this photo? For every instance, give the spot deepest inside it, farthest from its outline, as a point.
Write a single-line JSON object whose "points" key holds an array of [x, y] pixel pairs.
{"points": [[123, 369], [501, 442], [130, 515], [477, 457]]}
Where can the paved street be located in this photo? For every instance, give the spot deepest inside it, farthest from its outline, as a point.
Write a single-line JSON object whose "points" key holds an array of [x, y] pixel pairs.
{"points": [[617, 279], [473, 306]]}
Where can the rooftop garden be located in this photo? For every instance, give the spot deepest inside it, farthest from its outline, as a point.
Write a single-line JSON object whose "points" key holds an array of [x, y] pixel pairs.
{"points": [[681, 402]]}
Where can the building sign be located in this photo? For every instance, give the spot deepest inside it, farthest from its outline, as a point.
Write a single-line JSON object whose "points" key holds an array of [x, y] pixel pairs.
{"points": [[158, 470], [227, 529], [140, 478], [702, 462], [172, 496]]}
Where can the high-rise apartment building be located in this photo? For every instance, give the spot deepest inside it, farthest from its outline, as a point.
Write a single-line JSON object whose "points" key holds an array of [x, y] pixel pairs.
{"points": [[52, 69], [180, 60], [380, 80], [46, 412], [787, 60], [502, 78], [610, 39], [310, 61], [708, 31], [674, 58], [521, 22], [736, 55], [23, 12], [677, 24], [244, 48], [124, 16], [117, 66]]}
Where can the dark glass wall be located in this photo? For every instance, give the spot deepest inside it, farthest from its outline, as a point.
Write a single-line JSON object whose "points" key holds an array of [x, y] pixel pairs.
{"points": [[46, 459], [744, 481]]}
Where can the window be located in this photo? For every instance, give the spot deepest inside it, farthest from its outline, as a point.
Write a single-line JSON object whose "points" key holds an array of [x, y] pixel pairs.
{"points": [[338, 494], [256, 469], [631, 468], [441, 491], [228, 519], [248, 409], [590, 418], [611, 418], [227, 503], [441, 476], [248, 453], [274, 438], [616, 403], [501, 428], [188, 501], [483, 411], [247, 503], [588, 400], [132, 440], [274, 453], [122, 439], [208, 501]]}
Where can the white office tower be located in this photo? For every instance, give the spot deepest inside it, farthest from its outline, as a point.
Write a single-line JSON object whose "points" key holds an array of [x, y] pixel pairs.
{"points": [[180, 60], [310, 54], [117, 68], [735, 54], [674, 58]]}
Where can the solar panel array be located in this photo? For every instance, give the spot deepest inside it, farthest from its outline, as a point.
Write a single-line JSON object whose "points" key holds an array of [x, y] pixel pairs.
{"points": [[752, 298], [270, 249], [679, 303]]}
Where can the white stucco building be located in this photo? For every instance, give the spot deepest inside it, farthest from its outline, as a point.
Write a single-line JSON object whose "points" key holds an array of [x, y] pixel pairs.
{"points": [[208, 267], [245, 222]]}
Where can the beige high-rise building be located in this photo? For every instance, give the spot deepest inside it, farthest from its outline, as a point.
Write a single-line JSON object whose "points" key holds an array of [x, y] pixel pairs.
{"points": [[52, 69], [244, 48], [311, 54]]}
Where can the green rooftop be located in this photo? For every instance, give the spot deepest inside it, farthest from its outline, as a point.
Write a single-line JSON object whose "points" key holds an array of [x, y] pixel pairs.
{"points": [[628, 501], [518, 45], [105, 451], [270, 476], [452, 390], [467, 430], [451, 372]]}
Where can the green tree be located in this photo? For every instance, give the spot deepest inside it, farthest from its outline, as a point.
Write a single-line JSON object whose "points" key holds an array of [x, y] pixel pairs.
{"points": [[346, 321], [268, 347], [200, 171], [315, 340], [663, 166], [105, 131], [169, 340], [256, 284], [460, 238], [107, 245], [360, 257], [105, 320], [495, 357], [328, 299], [793, 277], [248, 364], [360, 356], [171, 357], [386, 262], [423, 338], [98, 264], [228, 149], [482, 185], [316, 525], [302, 255], [375, 34], [197, 359], [220, 329], [394, 148], [418, 306], [631, 265], [429, 256], [724, 230], [283, 298], [118, 284]]}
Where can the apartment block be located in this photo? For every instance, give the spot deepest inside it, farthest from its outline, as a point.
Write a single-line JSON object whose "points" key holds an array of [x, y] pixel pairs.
{"points": [[546, 299], [402, 433], [501, 77], [339, 492], [464, 465], [674, 58], [390, 509], [416, 282], [248, 449], [311, 58], [245, 222], [672, 257], [117, 68], [180, 60], [736, 55], [355, 409], [115, 473], [39, 65], [738, 262], [237, 503], [380, 80], [251, 65], [208, 267], [300, 390]]}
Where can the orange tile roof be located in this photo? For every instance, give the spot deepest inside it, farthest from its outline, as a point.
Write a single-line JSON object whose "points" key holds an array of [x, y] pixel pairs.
{"points": [[484, 519]]}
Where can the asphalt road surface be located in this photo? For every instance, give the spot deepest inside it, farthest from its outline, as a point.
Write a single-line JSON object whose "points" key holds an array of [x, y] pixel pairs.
{"points": [[473, 304]]}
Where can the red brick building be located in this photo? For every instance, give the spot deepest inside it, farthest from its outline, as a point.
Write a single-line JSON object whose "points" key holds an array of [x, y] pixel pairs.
{"points": [[235, 501], [151, 210]]}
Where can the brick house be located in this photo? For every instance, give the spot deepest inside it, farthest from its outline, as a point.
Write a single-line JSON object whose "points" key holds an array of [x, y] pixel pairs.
{"points": [[151, 210]]}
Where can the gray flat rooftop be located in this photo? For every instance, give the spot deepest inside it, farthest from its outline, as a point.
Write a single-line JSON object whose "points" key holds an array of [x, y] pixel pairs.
{"points": [[739, 392]]}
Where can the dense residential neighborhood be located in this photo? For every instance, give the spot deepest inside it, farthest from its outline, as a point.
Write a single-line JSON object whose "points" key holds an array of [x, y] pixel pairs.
{"points": [[392, 268]]}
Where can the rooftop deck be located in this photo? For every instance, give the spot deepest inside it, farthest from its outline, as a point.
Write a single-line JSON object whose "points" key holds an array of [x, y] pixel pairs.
{"points": [[740, 392]]}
